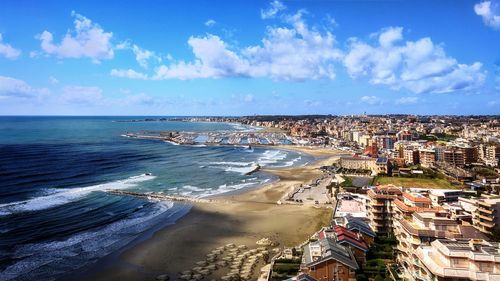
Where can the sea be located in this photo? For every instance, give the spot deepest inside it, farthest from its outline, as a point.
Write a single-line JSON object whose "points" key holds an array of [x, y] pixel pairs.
{"points": [[55, 214]]}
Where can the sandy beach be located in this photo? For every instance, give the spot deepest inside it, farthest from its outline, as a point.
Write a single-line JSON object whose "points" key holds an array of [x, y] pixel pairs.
{"points": [[241, 219]]}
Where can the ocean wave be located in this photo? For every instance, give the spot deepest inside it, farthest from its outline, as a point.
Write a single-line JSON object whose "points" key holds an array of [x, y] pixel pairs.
{"points": [[171, 142], [45, 259], [289, 163], [242, 170], [58, 197], [272, 157], [229, 163]]}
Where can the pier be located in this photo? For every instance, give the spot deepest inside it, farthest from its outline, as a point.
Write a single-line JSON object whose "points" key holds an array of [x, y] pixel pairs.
{"points": [[160, 196]]}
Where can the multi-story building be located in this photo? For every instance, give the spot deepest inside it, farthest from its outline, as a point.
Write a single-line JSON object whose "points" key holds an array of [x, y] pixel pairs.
{"points": [[375, 165], [379, 207], [385, 142], [421, 229], [412, 202], [454, 157], [326, 260], [492, 155], [440, 196], [411, 155], [459, 259], [486, 215], [427, 157]]}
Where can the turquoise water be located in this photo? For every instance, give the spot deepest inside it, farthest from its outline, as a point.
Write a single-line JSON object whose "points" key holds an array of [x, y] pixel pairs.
{"points": [[54, 214]]}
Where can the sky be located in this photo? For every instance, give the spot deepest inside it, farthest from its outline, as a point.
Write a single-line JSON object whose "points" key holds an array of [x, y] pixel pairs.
{"points": [[225, 57]]}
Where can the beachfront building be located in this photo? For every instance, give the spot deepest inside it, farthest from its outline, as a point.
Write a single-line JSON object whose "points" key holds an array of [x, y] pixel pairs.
{"points": [[411, 202], [379, 207], [486, 214], [374, 165], [358, 226], [459, 259], [422, 229], [326, 260], [440, 196], [353, 241]]}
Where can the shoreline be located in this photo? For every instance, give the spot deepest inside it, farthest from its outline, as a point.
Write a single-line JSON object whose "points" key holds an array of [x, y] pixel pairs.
{"points": [[241, 218]]}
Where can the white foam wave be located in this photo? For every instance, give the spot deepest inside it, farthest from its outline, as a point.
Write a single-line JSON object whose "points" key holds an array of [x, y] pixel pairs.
{"points": [[241, 170], [272, 157], [92, 244], [229, 163], [171, 142], [199, 145], [290, 163], [66, 195]]}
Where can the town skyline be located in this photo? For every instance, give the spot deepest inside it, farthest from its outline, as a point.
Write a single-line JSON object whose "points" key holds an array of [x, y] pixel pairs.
{"points": [[250, 58]]}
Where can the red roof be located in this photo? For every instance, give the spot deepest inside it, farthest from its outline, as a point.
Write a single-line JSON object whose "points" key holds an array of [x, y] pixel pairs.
{"points": [[350, 237], [360, 244], [340, 230]]}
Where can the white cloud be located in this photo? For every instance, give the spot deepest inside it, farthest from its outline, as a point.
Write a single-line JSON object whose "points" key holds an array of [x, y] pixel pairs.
{"points": [[486, 11], [372, 100], [128, 73], [87, 40], [271, 12], [81, 95], [419, 66], [286, 53], [8, 51], [248, 98], [493, 103], [142, 56], [11, 87], [210, 22], [53, 80], [407, 100]]}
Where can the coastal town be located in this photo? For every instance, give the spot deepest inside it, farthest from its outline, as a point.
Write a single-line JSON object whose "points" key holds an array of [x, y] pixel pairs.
{"points": [[410, 198]]}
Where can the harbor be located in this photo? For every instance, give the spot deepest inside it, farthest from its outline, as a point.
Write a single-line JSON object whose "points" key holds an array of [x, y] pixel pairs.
{"points": [[218, 138]]}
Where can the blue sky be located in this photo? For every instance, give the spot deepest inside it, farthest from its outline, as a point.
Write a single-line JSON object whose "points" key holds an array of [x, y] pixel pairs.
{"points": [[249, 57]]}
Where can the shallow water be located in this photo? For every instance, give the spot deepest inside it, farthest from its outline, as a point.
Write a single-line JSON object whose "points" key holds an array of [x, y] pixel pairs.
{"points": [[54, 215]]}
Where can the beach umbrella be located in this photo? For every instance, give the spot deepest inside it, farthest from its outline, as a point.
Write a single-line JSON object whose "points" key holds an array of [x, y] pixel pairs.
{"points": [[212, 267], [201, 263], [242, 247], [186, 272], [185, 277], [198, 276], [205, 271], [197, 268], [221, 263], [230, 245], [162, 277]]}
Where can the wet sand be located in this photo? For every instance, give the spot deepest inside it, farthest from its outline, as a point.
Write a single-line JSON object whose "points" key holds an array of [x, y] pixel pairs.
{"points": [[240, 219]]}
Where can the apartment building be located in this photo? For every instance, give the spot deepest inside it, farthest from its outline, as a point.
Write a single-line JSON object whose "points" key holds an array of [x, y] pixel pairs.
{"points": [[427, 157], [454, 157], [379, 207], [459, 259], [422, 229], [486, 214], [412, 202]]}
